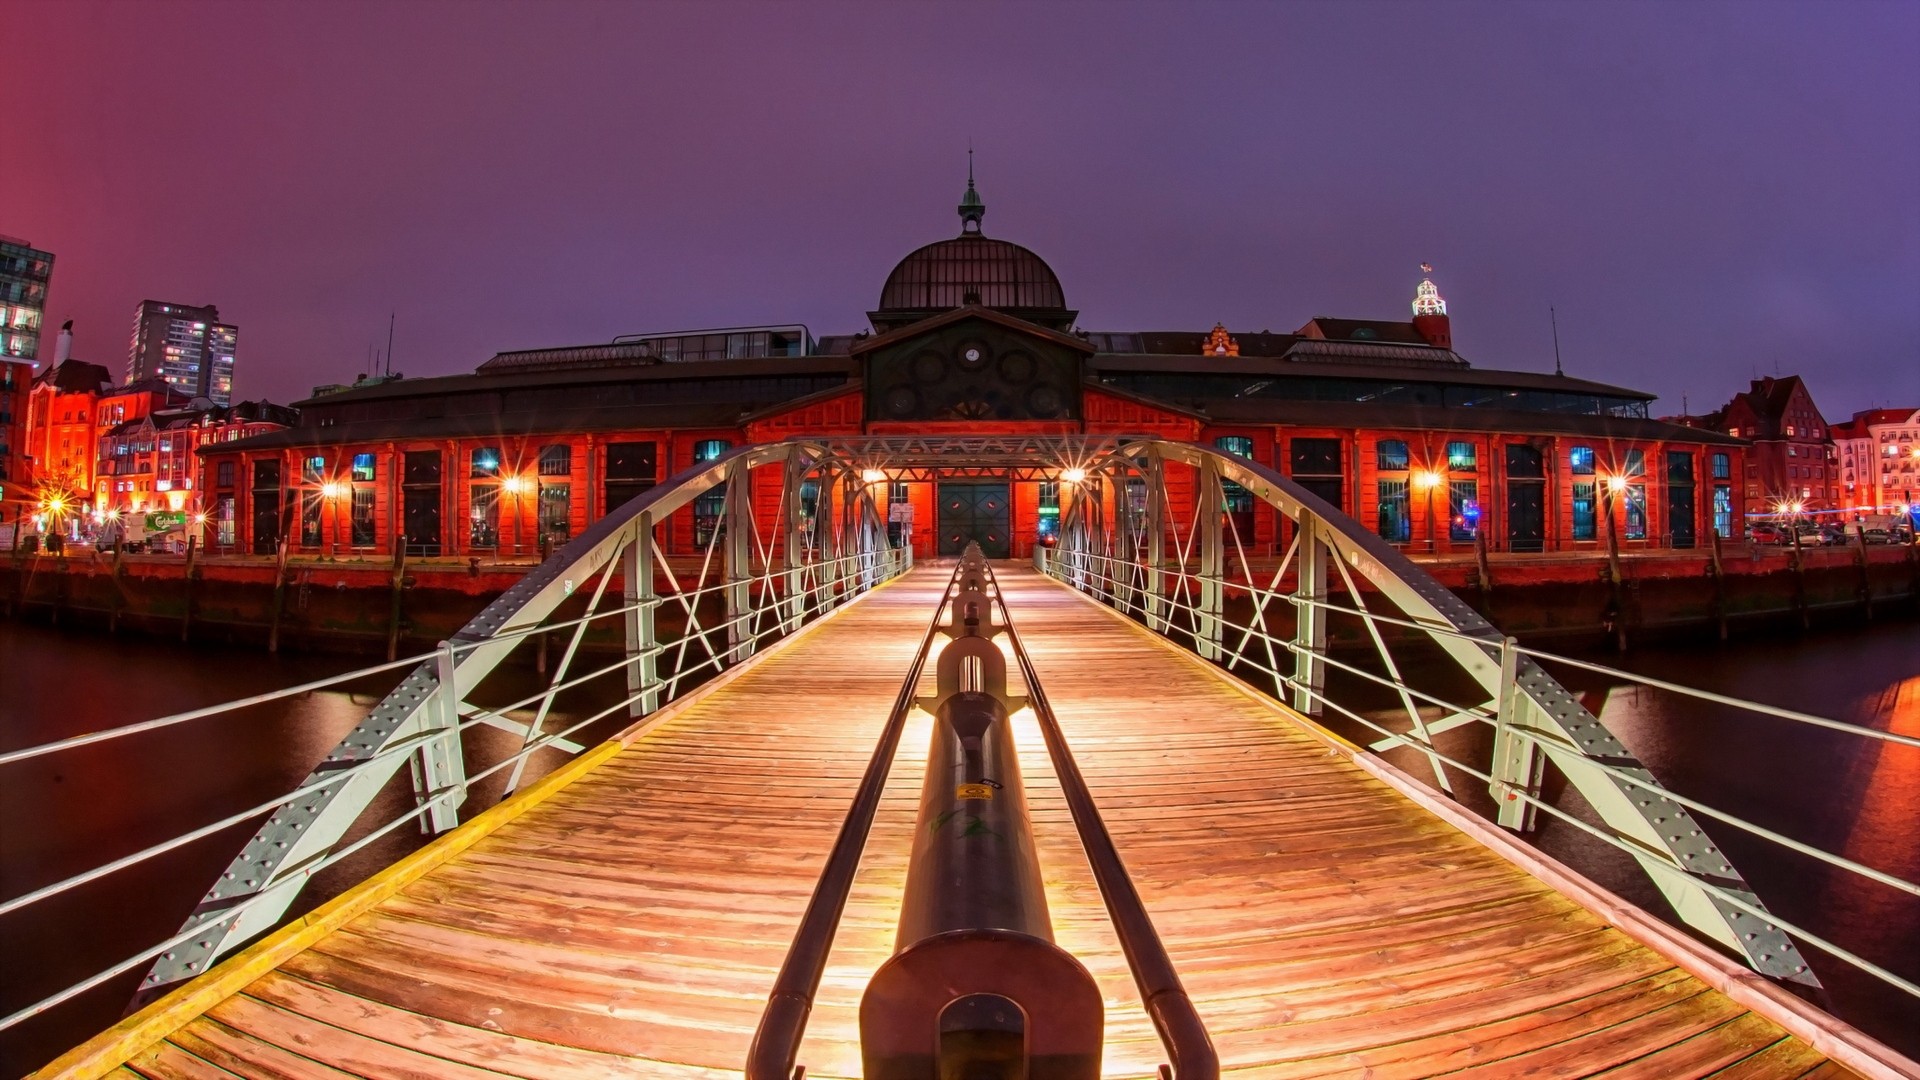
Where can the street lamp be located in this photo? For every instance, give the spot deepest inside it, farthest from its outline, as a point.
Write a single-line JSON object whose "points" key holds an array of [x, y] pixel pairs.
{"points": [[513, 486], [1426, 480], [1073, 476], [330, 491]]}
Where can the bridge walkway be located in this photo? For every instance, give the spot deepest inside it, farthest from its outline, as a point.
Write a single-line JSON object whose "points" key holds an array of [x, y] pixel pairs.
{"points": [[628, 918], [1324, 923]]}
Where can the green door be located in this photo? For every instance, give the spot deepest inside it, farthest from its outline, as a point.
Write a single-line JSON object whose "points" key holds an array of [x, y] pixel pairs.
{"points": [[977, 512]]}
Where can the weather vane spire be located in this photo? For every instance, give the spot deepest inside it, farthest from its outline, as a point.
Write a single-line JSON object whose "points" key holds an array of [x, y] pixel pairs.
{"points": [[1426, 297], [972, 207]]}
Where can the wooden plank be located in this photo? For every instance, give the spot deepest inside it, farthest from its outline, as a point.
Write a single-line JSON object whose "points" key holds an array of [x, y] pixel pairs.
{"points": [[472, 1045], [1309, 916], [165, 1061]]}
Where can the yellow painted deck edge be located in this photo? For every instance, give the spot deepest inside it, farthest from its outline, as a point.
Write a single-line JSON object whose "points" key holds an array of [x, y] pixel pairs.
{"points": [[117, 1045], [1840, 1041]]}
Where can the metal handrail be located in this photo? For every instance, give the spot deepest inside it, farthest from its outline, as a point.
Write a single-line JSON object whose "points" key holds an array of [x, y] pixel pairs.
{"points": [[457, 645], [306, 872], [1182, 1032], [1378, 618], [477, 719], [811, 593], [776, 1041], [1556, 748]]}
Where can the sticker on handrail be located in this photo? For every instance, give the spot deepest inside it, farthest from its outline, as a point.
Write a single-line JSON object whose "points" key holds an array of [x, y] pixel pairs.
{"points": [[973, 791]]}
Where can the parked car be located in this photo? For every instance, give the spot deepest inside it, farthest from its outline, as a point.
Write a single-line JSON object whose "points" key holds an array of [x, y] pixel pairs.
{"points": [[1835, 533], [1765, 532], [1877, 535]]}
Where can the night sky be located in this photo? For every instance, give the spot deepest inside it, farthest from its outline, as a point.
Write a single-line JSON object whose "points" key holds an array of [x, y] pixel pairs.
{"points": [[1705, 192]]}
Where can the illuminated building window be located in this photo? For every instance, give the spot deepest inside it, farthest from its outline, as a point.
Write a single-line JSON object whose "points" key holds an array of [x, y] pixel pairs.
{"points": [[1461, 457], [1583, 516], [556, 460], [1463, 509], [1393, 522], [1392, 456], [1580, 461], [486, 462], [363, 467]]}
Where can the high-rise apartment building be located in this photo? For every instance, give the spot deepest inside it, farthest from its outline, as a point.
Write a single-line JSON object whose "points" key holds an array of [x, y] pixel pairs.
{"points": [[24, 273], [188, 347]]}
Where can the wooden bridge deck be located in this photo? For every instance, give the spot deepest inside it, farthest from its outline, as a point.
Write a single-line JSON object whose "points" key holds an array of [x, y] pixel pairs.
{"points": [[630, 923]]}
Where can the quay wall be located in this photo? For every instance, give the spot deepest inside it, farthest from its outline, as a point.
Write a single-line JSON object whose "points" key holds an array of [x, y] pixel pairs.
{"points": [[367, 608]]}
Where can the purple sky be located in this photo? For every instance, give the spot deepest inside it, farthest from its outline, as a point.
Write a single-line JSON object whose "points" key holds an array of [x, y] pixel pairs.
{"points": [[1705, 192]]}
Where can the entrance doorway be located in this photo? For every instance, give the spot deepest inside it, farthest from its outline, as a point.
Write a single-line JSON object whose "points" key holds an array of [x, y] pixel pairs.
{"points": [[977, 512], [1526, 498]]}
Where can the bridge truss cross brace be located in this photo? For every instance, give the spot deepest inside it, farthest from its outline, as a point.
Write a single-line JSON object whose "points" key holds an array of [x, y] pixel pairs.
{"points": [[1174, 577]]}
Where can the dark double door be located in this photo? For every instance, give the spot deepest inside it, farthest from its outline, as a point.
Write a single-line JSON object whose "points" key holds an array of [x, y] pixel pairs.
{"points": [[977, 512], [1526, 498]]}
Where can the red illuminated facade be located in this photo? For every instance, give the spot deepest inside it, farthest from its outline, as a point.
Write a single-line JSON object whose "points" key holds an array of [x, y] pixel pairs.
{"points": [[972, 336]]}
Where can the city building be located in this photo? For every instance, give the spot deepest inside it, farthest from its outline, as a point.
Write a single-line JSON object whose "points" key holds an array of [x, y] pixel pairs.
{"points": [[61, 433], [187, 347], [1793, 466], [1880, 463], [151, 462], [25, 272], [973, 336]]}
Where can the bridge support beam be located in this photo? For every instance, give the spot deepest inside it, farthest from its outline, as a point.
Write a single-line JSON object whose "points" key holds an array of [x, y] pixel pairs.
{"points": [[1156, 477], [1517, 761], [737, 547], [641, 602], [1310, 619], [1212, 500]]}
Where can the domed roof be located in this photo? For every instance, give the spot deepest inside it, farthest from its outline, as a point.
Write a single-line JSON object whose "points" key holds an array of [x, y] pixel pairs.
{"points": [[972, 269]]}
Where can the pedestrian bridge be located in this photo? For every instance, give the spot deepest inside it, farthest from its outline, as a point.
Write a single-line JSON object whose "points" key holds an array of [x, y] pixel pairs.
{"points": [[1250, 893]]}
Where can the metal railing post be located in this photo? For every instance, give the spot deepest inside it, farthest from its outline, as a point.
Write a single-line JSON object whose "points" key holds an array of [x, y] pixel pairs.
{"points": [[1517, 762], [643, 662], [1207, 630], [440, 765], [1156, 474], [827, 543], [738, 545], [793, 558], [1310, 619]]}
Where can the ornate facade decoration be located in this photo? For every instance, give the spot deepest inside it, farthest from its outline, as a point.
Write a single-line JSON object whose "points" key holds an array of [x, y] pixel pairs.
{"points": [[1218, 343]]}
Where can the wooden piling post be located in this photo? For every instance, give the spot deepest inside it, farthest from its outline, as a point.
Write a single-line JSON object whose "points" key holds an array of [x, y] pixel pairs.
{"points": [[279, 595], [1799, 581], [1719, 587], [1486, 570], [118, 599], [186, 616], [397, 593]]}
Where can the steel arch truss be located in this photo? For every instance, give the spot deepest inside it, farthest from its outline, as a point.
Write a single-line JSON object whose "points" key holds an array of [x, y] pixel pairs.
{"points": [[824, 543], [1121, 540]]}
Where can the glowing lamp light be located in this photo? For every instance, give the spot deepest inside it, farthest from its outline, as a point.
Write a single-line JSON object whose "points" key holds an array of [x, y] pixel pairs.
{"points": [[873, 476], [199, 519], [514, 484], [1073, 476], [1616, 484], [1426, 478], [330, 489]]}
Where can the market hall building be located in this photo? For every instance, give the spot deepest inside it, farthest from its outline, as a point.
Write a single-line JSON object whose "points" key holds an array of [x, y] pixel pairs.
{"points": [[973, 336]]}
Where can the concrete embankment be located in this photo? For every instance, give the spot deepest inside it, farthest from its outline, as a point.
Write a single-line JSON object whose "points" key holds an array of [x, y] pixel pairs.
{"points": [[372, 608]]}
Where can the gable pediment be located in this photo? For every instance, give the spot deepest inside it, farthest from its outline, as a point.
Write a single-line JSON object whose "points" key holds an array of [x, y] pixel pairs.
{"points": [[973, 364]]}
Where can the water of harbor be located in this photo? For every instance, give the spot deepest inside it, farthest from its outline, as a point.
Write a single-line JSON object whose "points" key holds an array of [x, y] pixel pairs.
{"points": [[64, 814]]}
